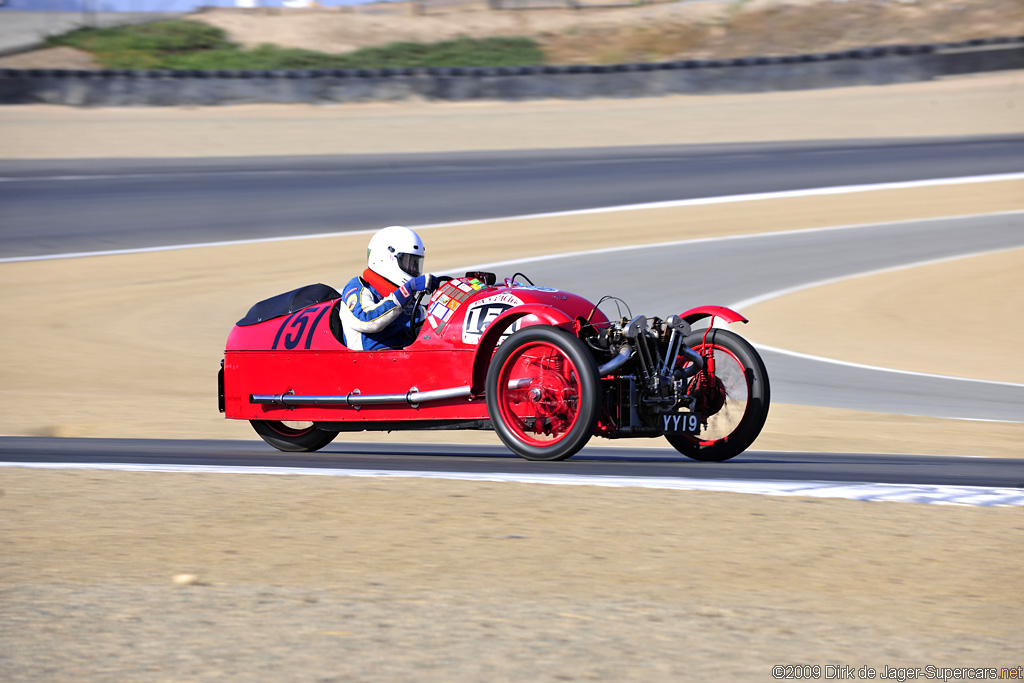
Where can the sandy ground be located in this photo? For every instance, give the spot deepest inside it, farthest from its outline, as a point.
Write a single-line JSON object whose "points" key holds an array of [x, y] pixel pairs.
{"points": [[958, 304], [50, 58], [987, 104], [318, 579], [339, 30], [315, 579]]}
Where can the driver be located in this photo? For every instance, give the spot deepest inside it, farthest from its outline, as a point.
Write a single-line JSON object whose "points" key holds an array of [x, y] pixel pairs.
{"points": [[376, 313]]}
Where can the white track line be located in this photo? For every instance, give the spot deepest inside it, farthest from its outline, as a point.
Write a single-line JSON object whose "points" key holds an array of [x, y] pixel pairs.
{"points": [[761, 298], [753, 301], [729, 238], [903, 493], [878, 368], [702, 201]]}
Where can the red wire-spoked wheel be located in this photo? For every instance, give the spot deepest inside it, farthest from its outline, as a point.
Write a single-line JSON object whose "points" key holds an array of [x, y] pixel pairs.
{"points": [[292, 437], [544, 403], [541, 391], [732, 394]]}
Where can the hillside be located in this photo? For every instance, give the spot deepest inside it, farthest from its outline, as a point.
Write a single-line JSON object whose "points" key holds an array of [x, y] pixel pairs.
{"points": [[665, 31]]}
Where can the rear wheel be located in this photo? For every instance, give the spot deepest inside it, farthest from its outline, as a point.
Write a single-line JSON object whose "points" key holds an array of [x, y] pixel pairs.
{"points": [[542, 393], [292, 437], [732, 395]]}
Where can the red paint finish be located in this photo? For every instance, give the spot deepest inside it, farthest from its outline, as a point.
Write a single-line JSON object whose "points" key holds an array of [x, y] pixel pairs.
{"points": [[299, 353], [700, 312]]}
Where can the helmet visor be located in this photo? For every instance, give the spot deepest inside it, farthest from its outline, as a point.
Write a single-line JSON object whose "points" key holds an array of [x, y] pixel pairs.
{"points": [[411, 263]]}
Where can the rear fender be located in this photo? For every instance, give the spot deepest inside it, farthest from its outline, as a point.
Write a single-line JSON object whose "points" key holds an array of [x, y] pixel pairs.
{"points": [[700, 312], [546, 315]]}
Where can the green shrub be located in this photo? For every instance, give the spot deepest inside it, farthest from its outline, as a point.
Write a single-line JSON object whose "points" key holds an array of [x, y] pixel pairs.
{"points": [[146, 46], [183, 44], [460, 52]]}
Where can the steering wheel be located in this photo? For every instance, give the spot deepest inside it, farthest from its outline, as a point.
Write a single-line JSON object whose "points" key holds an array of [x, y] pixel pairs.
{"points": [[414, 324]]}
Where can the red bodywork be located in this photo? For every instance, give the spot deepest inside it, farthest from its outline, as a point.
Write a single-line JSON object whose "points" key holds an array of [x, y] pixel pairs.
{"points": [[300, 354]]}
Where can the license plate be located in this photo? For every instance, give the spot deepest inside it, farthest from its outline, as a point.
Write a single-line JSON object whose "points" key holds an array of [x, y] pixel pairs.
{"points": [[680, 423]]}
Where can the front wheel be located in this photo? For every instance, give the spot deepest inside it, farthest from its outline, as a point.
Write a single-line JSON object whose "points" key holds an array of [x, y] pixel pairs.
{"points": [[732, 395], [292, 437], [542, 393]]}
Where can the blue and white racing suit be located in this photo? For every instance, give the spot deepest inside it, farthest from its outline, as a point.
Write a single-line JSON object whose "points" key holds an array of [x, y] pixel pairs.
{"points": [[372, 321]]}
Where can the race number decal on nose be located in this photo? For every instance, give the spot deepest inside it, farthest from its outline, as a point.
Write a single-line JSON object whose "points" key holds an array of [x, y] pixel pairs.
{"points": [[482, 313]]}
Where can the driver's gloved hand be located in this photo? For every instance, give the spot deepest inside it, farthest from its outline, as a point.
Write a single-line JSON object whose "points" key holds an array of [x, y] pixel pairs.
{"points": [[429, 282], [421, 283]]}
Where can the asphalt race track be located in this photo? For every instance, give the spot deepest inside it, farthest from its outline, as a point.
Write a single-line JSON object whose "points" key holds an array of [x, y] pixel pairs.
{"points": [[49, 207], [94, 206], [595, 460]]}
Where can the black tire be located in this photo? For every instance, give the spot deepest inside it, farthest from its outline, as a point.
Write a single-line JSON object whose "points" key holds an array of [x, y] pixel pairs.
{"points": [[291, 439], [732, 350], [562, 397]]}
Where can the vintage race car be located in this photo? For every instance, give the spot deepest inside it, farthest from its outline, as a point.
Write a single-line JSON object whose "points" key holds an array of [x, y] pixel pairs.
{"points": [[546, 369]]}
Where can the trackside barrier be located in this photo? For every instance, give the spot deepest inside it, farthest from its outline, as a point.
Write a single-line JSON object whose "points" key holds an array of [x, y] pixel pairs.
{"points": [[867, 66]]}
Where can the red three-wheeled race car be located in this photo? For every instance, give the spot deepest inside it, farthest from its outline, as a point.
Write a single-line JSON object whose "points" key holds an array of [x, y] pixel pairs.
{"points": [[544, 368]]}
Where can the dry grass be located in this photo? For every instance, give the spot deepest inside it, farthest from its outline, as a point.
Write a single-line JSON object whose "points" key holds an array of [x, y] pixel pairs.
{"points": [[780, 29]]}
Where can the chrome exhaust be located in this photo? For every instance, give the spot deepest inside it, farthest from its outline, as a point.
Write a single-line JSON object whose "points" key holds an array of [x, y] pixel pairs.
{"points": [[615, 363], [354, 399]]}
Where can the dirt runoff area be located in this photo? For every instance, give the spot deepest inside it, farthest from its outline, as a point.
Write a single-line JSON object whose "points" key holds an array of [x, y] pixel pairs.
{"points": [[987, 104], [187, 577], [111, 576]]}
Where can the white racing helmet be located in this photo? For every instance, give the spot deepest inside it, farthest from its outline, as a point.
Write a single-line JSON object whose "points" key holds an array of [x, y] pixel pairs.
{"points": [[396, 254]]}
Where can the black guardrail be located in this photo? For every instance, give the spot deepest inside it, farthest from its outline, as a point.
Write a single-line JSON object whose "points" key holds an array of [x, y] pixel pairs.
{"points": [[867, 66]]}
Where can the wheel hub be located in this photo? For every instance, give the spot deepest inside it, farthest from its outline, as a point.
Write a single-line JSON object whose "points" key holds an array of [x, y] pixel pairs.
{"points": [[711, 395]]}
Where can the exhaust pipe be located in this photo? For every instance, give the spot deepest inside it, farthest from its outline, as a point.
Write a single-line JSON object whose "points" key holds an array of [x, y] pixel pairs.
{"points": [[354, 399], [693, 357], [615, 363]]}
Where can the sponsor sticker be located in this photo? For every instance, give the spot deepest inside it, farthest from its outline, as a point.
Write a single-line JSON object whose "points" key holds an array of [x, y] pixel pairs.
{"points": [[450, 297], [440, 312], [482, 313]]}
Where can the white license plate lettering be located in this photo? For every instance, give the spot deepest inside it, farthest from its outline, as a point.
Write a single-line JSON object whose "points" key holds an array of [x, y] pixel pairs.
{"points": [[680, 423]]}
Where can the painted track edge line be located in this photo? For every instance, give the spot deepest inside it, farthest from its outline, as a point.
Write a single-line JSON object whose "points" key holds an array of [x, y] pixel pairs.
{"points": [[723, 238], [786, 291], [862, 491], [878, 368], [673, 203]]}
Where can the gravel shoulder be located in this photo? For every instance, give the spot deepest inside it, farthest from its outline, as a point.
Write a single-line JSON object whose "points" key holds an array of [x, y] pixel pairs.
{"points": [[314, 578]]}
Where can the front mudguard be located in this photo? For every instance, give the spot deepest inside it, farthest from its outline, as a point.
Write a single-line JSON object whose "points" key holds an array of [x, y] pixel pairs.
{"points": [[546, 315], [700, 312]]}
